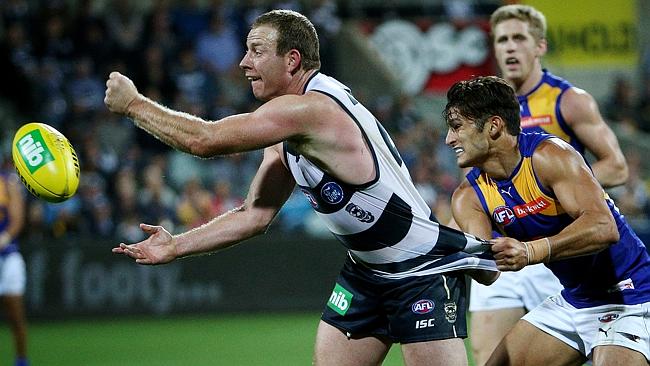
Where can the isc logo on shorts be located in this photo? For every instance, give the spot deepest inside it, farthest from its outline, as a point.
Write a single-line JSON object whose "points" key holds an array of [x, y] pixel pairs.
{"points": [[425, 323]]}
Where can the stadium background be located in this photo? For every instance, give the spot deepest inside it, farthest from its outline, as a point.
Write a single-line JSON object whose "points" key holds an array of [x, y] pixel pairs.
{"points": [[258, 302]]}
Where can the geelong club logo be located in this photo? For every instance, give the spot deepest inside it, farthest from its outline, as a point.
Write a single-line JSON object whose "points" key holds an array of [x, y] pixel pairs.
{"points": [[332, 193]]}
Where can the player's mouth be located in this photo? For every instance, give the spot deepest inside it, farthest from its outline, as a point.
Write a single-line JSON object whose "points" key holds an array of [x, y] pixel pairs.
{"points": [[253, 78], [458, 150], [512, 62]]}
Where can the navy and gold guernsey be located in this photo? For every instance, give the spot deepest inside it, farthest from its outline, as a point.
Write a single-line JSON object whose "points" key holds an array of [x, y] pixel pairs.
{"points": [[521, 208], [385, 224], [540, 110], [4, 213]]}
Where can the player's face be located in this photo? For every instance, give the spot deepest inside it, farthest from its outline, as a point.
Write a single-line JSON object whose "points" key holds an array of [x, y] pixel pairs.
{"points": [[469, 144], [268, 73], [516, 50]]}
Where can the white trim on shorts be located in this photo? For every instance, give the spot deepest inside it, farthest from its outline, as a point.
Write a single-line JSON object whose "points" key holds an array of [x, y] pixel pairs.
{"points": [[526, 289], [12, 274], [583, 329]]}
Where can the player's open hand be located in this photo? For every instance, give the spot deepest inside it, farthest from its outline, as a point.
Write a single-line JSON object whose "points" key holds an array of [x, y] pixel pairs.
{"points": [[120, 93], [159, 248], [510, 254]]}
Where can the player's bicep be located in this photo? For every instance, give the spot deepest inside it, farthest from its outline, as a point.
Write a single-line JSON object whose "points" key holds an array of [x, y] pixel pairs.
{"points": [[562, 170], [468, 212]]}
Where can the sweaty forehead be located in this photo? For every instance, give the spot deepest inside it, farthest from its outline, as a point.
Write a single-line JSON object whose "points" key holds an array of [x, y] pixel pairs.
{"points": [[262, 35]]}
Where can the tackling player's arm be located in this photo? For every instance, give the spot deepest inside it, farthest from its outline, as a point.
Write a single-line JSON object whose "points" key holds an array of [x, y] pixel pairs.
{"points": [[16, 211], [562, 170], [467, 212], [580, 111], [468, 216], [269, 190], [282, 118]]}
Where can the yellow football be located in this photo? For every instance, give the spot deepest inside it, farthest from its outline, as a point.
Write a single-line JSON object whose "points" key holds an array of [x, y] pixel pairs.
{"points": [[46, 162]]}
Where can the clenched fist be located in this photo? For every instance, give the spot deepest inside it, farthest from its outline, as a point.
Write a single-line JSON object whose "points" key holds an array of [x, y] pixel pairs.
{"points": [[120, 93]]}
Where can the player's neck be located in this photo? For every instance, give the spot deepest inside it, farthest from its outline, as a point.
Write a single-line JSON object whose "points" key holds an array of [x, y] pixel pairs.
{"points": [[523, 87], [300, 80], [504, 158]]}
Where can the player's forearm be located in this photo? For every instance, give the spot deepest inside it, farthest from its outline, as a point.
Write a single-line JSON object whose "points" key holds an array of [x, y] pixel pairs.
{"points": [[218, 234], [179, 130], [587, 235], [611, 172]]}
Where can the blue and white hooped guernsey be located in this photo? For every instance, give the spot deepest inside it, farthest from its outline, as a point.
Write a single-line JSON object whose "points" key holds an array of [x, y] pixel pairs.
{"points": [[385, 224]]}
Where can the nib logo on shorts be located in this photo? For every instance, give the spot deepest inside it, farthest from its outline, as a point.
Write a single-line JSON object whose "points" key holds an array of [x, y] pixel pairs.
{"points": [[340, 300], [34, 151]]}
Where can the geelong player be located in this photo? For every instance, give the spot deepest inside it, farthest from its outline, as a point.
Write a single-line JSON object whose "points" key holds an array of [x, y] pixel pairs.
{"points": [[538, 192], [400, 282], [548, 104]]}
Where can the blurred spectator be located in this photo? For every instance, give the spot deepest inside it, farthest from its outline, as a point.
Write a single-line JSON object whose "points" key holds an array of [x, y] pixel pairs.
{"points": [[157, 201], [125, 27], [192, 83], [219, 48], [189, 19], [620, 105], [194, 205], [19, 67]]}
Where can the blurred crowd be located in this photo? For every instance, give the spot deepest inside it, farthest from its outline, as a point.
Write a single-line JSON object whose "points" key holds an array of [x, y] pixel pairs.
{"points": [[184, 54]]}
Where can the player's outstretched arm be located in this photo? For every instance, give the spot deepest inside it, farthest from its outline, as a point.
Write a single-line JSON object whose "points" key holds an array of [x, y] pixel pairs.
{"points": [[269, 190], [580, 111], [282, 118]]}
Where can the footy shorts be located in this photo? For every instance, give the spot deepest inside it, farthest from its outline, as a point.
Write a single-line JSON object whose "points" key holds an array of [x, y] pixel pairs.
{"points": [[415, 309], [526, 289], [583, 329], [12, 274]]}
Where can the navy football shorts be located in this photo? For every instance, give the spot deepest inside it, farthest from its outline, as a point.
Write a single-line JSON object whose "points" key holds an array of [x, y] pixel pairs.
{"points": [[414, 309]]}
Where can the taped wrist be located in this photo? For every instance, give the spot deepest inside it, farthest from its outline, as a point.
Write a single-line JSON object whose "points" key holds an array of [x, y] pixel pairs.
{"points": [[539, 251]]}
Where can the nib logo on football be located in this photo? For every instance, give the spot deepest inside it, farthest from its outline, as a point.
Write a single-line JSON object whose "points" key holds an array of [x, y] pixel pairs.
{"points": [[340, 300], [34, 151]]}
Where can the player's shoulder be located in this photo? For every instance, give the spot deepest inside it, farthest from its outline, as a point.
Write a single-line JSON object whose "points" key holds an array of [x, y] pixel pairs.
{"points": [[555, 154], [576, 102]]}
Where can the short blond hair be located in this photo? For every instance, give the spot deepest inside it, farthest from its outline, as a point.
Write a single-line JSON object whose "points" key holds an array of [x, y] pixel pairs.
{"points": [[525, 13]]}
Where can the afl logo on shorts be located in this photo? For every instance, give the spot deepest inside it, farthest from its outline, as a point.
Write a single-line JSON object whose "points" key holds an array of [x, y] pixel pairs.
{"points": [[422, 306], [332, 193], [503, 215]]}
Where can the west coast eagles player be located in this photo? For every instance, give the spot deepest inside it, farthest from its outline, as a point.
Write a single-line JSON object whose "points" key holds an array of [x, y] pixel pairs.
{"points": [[549, 104], [540, 194]]}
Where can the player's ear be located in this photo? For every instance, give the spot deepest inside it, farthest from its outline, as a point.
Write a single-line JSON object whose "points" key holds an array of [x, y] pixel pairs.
{"points": [[495, 125], [542, 47], [293, 61]]}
